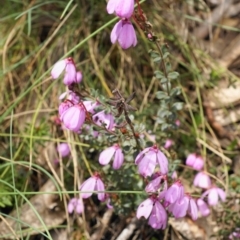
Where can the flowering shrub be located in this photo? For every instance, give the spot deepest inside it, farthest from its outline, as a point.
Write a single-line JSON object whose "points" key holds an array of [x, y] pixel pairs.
{"points": [[92, 140], [110, 123]]}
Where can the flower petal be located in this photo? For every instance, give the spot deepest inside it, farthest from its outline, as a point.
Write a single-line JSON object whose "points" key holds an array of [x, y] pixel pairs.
{"points": [[70, 74], [58, 68], [106, 155], [158, 217], [88, 185], [221, 194], [147, 165], [73, 118], [153, 185], [111, 6], [127, 36], [163, 162], [100, 187], [141, 155], [145, 208], [203, 207], [118, 159], [116, 32], [213, 197], [193, 210], [124, 8]]}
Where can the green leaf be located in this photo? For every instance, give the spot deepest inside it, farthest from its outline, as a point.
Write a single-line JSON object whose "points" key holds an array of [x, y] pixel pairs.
{"points": [[165, 126], [173, 75], [165, 55], [164, 80], [161, 95], [178, 106], [161, 120], [164, 113], [157, 59], [165, 84], [175, 92], [158, 74]]}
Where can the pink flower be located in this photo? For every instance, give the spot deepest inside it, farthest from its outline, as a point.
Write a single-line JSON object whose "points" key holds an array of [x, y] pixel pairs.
{"points": [[214, 193], [63, 149], [63, 107], [168, 143], [156, 182], [177, 122], [186, 205], [122, 8], [194, 161], [235, 234], [73, 118], [71, 75], [75, 204], [93, 184], [202, 180], [175, 192], [60, 66], [78, 77], [90, 105], [179, 208], [71, 96], [104, 119], [174, 175], [192, 209], [148, 159], [203, 207], [108, 201], [152, 209], [124, 33], [107, 154]]}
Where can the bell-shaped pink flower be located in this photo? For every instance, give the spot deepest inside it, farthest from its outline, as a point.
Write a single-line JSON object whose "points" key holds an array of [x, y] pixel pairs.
{"points": [[104, 119], [174, 175], [179, 208], [195, 161], [192, 209], [122, 8], [154, 185], [108, 201], [93, 184], [168, 143], [73, 118], [152, 209], [124, 33], [202, 180], [235, 234], [63, 149], [79, 77], [214, 193], [177, 122], [71, 75], [90, 105], [175, 192], [186, 205], [203, 207], [75, 204], [71, 96], [107, 154], [148, 159], [63, 107]]}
